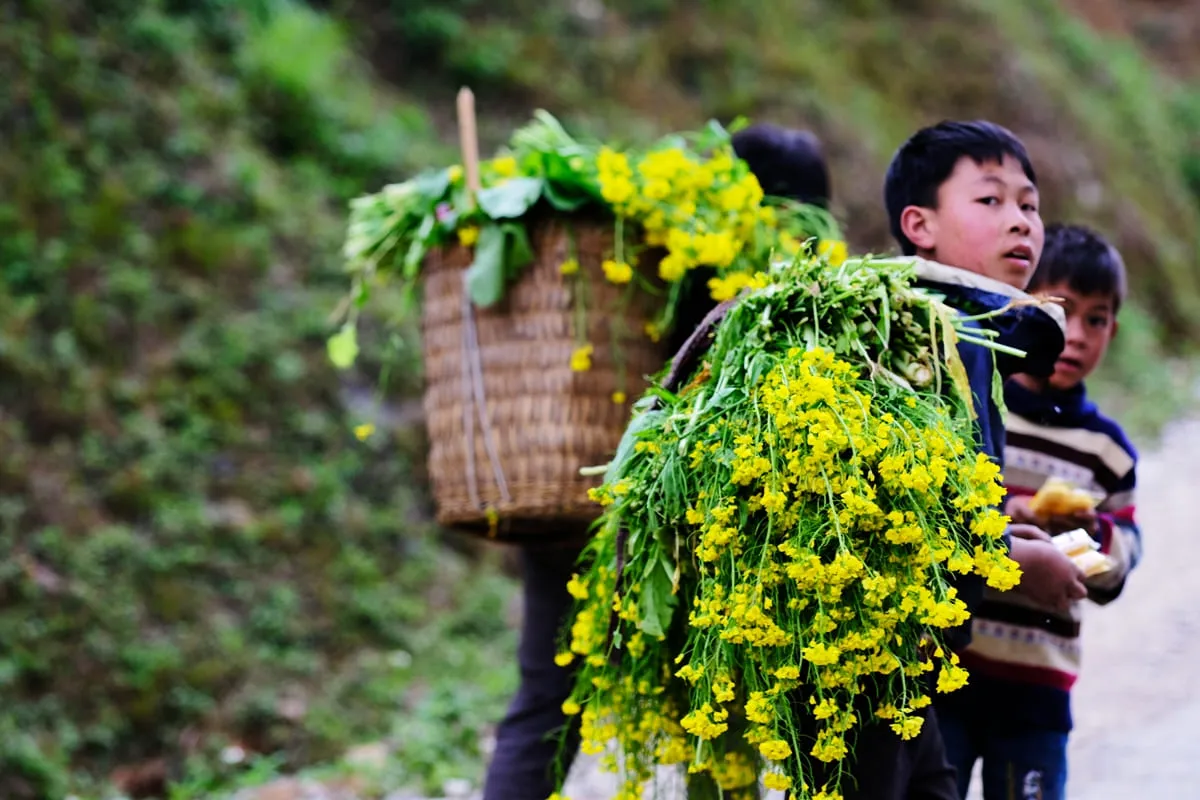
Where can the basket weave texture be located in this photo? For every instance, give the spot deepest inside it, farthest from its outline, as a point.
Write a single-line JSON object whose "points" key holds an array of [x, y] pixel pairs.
{"points": [[541, 420]]}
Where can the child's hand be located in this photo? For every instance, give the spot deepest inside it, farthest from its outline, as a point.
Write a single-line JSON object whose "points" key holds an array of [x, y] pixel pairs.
{"points": [[1031, 532], [1048, 577], [1069, 522], [1019, 511]]}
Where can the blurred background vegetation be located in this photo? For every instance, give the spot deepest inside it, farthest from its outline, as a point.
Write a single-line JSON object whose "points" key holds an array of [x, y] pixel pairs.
{"points": [[205, 577]]}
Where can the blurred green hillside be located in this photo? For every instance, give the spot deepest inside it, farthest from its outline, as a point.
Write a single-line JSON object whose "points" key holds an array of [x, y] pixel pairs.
{"points": [[199, 552]]}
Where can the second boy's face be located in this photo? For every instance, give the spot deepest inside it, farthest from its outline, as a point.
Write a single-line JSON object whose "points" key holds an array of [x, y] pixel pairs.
{"points": [[1091, 324], [987, 222]]}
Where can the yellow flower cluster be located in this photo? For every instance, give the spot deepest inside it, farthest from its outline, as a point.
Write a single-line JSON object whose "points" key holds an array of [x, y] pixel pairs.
{"points": [[581, 358], [704, 212], [700, 211], [726, 288], [825, 518], [617, 271]]}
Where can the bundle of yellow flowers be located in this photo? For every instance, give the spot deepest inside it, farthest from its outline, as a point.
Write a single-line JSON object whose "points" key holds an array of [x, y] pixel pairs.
{"points": [[684, 202], [774, 564], [705, 211]]}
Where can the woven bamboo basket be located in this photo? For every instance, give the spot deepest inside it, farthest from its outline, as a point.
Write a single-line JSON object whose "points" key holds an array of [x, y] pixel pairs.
{"points": [[510, 424]]}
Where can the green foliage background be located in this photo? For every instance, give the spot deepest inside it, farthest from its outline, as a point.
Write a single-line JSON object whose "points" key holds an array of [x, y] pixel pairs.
{"points": [[196, 550]]}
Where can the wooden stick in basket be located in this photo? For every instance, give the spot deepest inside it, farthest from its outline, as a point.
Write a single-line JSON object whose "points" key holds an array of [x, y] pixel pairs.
{"points": [[468, 139]]}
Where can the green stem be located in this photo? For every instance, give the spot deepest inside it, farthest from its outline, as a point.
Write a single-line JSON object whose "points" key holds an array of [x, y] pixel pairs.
{"points": [[619, 239], [990, 345], [617, 331]]}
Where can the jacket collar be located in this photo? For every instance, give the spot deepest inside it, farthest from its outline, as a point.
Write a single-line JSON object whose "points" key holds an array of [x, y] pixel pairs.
{"points": [[991, 291], [1049, 406], [1028, 324]]}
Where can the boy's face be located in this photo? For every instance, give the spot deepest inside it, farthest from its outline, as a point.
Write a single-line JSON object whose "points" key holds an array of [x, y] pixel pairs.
{"points": [[986, 222], [1091, 325]]}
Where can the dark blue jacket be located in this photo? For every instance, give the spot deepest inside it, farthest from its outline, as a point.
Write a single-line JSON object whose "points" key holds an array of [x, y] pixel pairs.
{"points": [[1027, 327]]}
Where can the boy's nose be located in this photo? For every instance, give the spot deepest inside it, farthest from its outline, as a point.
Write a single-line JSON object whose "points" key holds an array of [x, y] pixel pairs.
{"points": [[1018, 222], [1075, 334]]}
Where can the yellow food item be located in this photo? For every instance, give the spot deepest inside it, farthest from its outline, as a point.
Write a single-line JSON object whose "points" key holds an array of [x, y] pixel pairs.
{"points": [[1092, 563], [1074, 543], [1057, 498], [1081, 548]]}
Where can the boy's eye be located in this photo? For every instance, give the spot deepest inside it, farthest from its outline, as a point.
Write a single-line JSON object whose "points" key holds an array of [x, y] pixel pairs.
{"points": [[1098, 322], [989, 201], [1030, 207]]}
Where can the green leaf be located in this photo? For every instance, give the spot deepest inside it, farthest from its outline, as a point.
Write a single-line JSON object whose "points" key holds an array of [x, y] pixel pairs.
{"points": [[715, 134], [361, 293], [563, 199], [954, 364], [656, 603], [559, 170], [419, 247], [665, 395], [343, 346], [759, 364], [641, 422], [501, 252], [998, 389], [672, 479], [567, 189], [510, 199], [518, 253], [431, 185], [485, 277], [739, 123], [670, 568]]}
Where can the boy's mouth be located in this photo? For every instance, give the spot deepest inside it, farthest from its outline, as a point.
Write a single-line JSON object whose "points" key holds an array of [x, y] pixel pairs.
{"points": [[1072, 364], [1021, 254]]}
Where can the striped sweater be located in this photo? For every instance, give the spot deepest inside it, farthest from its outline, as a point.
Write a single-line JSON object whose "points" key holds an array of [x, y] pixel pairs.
{"points": [[1024, 659]]}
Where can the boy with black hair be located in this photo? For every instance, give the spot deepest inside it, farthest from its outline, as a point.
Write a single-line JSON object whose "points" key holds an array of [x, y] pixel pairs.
{"points": [[1015, 713], [788, 164], [963, 197]]}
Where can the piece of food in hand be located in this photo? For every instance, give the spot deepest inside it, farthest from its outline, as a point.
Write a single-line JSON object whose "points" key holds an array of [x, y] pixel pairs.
{"points": [[1058, 498], [1074, 543], [1082, 549], [1092, 562]]}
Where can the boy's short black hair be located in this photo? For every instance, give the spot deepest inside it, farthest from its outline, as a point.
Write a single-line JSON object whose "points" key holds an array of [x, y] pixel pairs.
{"points": [[925, 161], [788, 163], [1082, 259]]}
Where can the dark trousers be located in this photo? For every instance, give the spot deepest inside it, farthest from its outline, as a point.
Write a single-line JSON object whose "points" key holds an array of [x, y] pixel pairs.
{"points": [[883, 767], [527, 741], [1026, 764]]}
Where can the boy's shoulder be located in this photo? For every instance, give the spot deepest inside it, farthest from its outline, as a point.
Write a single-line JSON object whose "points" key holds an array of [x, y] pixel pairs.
{"points": [[1099, 422], [1019, 320], [970, 292]]}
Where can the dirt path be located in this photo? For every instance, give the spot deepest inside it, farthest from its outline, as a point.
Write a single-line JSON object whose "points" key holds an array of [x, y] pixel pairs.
{"points": [[1138, 698], [1137, 702]]}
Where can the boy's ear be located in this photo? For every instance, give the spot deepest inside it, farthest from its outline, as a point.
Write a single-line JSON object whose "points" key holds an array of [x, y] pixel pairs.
{"points": [[919, 225], [1116, 327]]}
